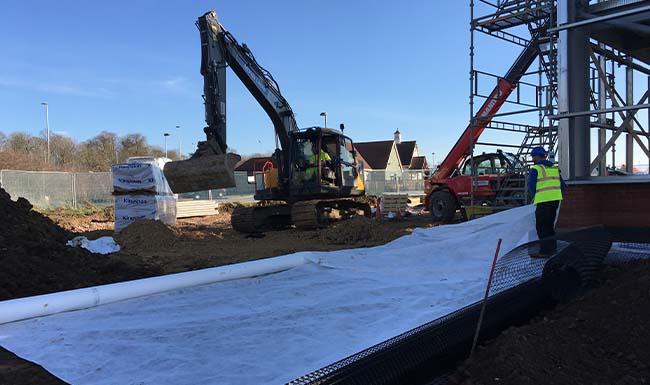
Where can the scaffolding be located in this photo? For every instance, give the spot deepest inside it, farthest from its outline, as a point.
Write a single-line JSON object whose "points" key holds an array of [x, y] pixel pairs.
{"points": [[535, 114]]}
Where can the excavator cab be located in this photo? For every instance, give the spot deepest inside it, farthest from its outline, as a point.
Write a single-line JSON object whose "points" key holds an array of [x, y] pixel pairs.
{"points": [[321, 164]]}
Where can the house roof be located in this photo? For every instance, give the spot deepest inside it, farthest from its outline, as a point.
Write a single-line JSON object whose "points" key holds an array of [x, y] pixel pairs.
{"points": [[418, 163], [405, 150], [375, 154], [253, 164]]}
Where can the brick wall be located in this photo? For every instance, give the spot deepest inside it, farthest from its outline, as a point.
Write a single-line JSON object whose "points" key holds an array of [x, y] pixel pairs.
{"points": [[615, 204]]}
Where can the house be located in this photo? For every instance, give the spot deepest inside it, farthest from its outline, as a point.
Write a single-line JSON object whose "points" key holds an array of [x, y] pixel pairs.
{"points": [[252, 165], [379, 160], [386, 159]]}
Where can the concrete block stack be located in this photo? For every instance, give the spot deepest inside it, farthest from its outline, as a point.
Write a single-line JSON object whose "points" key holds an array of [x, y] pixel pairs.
{"points": [[141, 192]]}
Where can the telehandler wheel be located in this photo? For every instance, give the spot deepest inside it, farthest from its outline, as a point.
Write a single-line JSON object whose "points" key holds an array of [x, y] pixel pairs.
{"points": [[442, 206]]}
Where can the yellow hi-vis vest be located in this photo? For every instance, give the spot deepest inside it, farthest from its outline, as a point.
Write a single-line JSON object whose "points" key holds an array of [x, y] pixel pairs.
{"points": [[549, 186], [312, 170]]}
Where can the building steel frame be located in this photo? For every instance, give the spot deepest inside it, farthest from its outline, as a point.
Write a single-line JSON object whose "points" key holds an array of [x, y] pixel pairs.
{"points": [[579, 89]]}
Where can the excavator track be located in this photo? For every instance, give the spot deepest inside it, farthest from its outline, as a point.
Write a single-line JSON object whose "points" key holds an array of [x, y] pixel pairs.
{"points": [[261, 218], [309, 215], [305, 216]]}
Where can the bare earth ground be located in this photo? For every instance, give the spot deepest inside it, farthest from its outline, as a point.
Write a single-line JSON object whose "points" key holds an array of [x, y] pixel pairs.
{"points": [[31, 241], [196, 243], [601, 338]]}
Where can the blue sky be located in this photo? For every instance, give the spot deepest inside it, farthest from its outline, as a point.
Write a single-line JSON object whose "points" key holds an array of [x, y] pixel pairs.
{"points": [[133, 66]]}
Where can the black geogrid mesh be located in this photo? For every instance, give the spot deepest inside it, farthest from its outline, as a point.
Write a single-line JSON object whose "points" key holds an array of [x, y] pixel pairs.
{"points": [[517, 292], [626, 251]]}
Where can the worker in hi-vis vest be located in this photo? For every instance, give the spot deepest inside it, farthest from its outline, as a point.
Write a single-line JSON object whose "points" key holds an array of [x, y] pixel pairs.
{"points": [[318, 155], [545, 185]]}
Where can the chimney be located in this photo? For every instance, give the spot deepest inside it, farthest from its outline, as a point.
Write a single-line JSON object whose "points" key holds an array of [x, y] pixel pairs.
{"points": [[398, 137]]}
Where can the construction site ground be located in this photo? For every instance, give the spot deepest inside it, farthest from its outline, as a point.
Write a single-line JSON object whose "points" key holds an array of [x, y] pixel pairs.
{"points": [[201, 242], [600, 338], [36, 260]]}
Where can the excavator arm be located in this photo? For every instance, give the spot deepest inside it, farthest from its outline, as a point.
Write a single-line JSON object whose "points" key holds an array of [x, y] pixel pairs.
{"points": [[220, 49], [211, 167]]}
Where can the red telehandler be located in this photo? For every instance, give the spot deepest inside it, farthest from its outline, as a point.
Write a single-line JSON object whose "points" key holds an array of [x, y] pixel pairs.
{"points": [[449, 187]]}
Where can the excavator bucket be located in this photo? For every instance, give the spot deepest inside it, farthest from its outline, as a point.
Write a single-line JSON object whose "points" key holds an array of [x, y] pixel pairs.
{"points": [[206, 172]]}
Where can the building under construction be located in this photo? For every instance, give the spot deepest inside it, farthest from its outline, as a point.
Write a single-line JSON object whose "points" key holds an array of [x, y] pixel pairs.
{"points": [[585, 98]]}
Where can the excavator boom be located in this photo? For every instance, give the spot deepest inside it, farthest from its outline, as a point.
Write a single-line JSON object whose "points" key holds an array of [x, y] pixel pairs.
{"points": [[211, 166]]}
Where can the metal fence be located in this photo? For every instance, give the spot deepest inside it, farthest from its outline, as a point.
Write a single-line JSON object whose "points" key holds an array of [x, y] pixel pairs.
{"points": [[46, 189], [378, 182]]}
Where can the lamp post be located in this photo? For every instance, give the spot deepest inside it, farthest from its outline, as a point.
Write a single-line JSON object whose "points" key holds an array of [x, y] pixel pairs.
{"points": [[324, 115], [180, 143], [47, 128], [166, 135], [433, 159]]}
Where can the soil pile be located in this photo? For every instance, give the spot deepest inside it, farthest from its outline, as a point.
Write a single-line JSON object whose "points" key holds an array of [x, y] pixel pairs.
{"points": [[35, 259], [602, 338], [84, 220], [14, 370], [358, 230], [146, 235]]}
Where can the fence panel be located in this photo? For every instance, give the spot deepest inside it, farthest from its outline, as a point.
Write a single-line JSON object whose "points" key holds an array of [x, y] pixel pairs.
{"points": [[378, 182], [46, 189], [93, 188], [42, 189]]}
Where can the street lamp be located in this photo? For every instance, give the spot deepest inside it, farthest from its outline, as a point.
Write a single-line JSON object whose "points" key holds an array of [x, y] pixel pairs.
{"points": [[47, 128], [180, 143], [324, 115], [166, 135], [433, 159]]}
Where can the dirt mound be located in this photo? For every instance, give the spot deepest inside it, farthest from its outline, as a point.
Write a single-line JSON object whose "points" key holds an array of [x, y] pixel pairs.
{"points": [[602, 338], [358, 230], [83, 220], [146, 235], [35, 259]]}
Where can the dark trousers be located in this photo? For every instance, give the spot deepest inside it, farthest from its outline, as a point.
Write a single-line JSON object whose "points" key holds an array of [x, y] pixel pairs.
{"points": [[545, 213]]}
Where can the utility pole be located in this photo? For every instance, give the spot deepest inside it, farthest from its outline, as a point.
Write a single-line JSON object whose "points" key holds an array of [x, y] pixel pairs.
{"points": [[47, 129], [324, 114], [180, 143], [166, 134]]}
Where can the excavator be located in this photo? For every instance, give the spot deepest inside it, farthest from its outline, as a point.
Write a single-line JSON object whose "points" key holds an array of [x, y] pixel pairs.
{"points": [[312, 179], [450, 186]]}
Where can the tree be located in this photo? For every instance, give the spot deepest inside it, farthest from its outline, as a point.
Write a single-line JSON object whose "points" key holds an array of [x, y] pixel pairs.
{"points": [[98, 153], [20, 142], [3, 141], [158, 152], [63, 151], [133, 145], [24, 143]]}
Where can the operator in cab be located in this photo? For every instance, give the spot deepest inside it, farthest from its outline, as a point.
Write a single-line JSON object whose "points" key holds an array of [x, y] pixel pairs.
{"points": [[545, 186], [317, 153]]}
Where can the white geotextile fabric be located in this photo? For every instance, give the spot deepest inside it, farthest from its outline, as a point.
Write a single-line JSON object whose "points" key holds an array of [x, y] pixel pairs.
{"points": [[274, 328]]}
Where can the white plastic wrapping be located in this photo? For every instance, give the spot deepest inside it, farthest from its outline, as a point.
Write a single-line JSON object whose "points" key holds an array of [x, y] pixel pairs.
{"points": [[141, 175], [130, 208]]}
